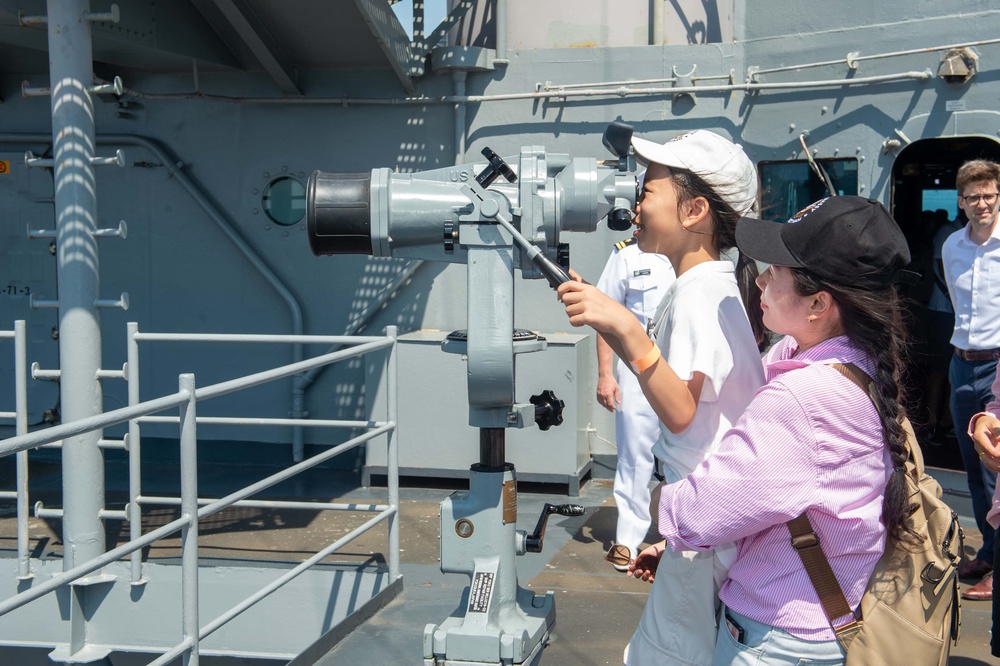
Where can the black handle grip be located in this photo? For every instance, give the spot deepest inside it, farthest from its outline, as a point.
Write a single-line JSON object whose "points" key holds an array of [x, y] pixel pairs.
{"points": [[534, 541], [552, 271]]}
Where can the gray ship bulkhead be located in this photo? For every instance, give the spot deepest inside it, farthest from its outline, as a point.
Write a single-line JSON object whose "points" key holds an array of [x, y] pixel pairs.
{"points": [[224, 109]]}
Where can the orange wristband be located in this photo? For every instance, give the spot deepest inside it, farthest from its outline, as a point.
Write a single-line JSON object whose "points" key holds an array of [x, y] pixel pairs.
{"points": [[640, 365]]}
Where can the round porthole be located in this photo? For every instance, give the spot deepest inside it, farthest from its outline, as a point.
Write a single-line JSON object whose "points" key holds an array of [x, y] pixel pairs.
{"points": [[284, 201]]}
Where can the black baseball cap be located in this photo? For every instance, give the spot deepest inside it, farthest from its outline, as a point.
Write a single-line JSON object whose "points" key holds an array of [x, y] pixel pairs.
{"points": [[845, 240]]}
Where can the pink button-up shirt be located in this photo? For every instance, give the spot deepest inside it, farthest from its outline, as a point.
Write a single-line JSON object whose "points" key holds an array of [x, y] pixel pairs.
{"points": [[809, 440]]}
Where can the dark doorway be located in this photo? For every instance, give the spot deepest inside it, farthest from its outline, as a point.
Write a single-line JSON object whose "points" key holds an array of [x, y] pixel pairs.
{"points": [[925, 204]]}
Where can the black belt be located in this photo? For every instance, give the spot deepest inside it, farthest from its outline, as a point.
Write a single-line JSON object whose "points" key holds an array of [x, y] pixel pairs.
{"points": [[977, 354]]}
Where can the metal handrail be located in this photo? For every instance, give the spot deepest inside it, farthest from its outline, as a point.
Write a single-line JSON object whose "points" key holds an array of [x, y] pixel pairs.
{"points": [[186, 400], [89, 424], [81, 570], [362, 345], [20, 416], [285, 474], [123, 414], [236, 610]]}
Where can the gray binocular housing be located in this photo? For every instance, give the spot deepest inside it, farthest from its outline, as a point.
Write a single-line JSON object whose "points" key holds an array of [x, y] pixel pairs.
{"points": [[434, 215]]}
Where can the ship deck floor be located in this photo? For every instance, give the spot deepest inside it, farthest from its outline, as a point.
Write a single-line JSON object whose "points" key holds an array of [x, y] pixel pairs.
{"points": [[597, 608]]}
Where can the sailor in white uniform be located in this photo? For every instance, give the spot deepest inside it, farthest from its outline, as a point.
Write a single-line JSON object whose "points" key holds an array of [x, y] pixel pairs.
{"points": [[637, 280]]}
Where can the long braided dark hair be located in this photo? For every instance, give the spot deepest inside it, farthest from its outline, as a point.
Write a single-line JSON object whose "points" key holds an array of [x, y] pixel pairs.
{"points": [[724, 217], [874, 322]]}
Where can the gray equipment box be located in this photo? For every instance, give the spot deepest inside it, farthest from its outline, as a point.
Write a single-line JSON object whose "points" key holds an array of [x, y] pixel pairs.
{"points": [[434, 435]]}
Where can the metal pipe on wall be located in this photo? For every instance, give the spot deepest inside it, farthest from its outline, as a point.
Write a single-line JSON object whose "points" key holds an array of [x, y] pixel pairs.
{"points": [[501, 32], [258, 263], [656, 19], [359, 324], [458, 76], [175, 171], [555, 93]]}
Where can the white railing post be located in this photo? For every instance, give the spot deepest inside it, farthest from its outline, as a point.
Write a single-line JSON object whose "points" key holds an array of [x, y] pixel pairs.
{"points": [[392, 456], [134, 454], [21, 427], [189, 510]]}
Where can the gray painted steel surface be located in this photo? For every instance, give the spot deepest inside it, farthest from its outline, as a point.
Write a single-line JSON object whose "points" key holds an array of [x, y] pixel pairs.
{"points": [[223, 99]]}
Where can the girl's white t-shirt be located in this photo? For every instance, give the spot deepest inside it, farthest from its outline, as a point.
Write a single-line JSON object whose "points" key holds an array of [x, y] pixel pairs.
{"points": [[702, 326]]}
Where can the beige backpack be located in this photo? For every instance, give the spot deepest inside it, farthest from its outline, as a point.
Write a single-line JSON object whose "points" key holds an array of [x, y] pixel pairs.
{"points": [[910, 612]]}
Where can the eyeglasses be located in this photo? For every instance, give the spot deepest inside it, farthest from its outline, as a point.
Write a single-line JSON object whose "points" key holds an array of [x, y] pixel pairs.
{"points": [[988, 199]]}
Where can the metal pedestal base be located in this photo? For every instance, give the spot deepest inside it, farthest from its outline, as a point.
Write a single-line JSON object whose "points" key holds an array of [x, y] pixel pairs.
{"points": [[522, 636], [497, 622]]}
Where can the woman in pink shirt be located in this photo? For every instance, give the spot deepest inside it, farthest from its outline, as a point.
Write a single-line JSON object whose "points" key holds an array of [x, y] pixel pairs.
{"points": [[811, 441]]}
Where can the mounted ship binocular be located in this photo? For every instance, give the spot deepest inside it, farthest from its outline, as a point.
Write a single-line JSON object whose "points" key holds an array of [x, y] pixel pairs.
{"points": [[436, 215], [495, 217]]}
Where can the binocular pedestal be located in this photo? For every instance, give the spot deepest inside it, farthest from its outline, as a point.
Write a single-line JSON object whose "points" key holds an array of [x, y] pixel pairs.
{"points": [[497, 621], [495, 220]]}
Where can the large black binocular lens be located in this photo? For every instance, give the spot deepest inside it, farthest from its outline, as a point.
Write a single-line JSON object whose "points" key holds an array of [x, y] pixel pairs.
{"points": [[338, 213]]}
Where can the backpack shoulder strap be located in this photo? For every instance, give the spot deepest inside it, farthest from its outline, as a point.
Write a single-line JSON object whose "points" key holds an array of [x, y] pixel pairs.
{"points": [[831, 595], [860, 378], [866, 384], [806, 542]]}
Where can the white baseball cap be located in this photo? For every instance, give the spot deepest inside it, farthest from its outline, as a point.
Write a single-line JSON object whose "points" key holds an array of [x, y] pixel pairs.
{"points": [[712, 157]]}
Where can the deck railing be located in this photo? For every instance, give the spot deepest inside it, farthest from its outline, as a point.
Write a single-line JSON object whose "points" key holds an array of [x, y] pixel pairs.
{"points": [[186, 400]]}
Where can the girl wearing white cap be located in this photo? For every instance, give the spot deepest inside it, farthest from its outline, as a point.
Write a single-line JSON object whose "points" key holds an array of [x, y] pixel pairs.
{"points": [[703, 366], [811, 443]]}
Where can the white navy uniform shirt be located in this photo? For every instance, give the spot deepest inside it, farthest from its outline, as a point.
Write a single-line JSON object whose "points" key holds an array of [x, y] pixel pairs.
{"points": [[636, 279]]}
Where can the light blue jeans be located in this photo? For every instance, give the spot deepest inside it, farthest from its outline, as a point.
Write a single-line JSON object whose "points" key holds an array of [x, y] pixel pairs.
{"points": [[764, 645]]}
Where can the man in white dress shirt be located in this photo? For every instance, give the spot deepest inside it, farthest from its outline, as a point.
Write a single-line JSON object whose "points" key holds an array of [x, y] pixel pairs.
{"points": [[971, 261]]}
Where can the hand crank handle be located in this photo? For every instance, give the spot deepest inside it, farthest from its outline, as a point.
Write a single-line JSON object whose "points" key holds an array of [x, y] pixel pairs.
{"points": [[533, 542]]}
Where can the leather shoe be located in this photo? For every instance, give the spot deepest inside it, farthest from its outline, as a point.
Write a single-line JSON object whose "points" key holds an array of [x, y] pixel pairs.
{"points": [[981, 591], [976, 568]]}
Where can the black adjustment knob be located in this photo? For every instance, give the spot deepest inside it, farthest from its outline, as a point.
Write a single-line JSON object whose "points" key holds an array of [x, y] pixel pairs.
{"points": [[617, 138], [496, 167], [548, 409]]}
